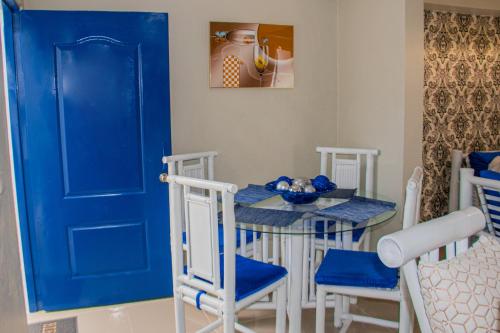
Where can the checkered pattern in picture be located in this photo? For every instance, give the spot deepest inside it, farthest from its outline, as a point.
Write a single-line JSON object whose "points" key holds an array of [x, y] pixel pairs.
{"points": [[231, 72]]}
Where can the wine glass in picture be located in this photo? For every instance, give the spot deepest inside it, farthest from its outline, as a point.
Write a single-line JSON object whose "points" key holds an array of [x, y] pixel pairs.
{"points": [[261, 58]]}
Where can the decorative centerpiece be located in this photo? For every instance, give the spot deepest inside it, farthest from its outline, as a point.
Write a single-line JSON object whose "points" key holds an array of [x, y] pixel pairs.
{"points": [[301, 190]]}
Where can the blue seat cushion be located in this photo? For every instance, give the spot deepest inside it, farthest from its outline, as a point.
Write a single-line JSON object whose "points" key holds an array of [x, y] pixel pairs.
{"points": [[251, 275], [248, 233], [355, 269], [356, 234], [479, 160]]}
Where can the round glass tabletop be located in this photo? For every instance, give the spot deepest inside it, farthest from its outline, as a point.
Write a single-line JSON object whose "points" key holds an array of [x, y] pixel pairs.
{"points": [[311, 220]]}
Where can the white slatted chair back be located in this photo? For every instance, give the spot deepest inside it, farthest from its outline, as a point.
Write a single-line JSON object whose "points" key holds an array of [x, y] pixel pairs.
{"points": [[411, 212], [486, 191], [202, 239], [200, 218], [403, 249], [411, 217], [457, 161], [196, 165], [346, 167]]}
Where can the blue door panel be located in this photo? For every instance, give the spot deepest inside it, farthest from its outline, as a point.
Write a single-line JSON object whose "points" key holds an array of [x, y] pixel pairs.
{"points": [[110, 71], [94, 114], [98, 250]]}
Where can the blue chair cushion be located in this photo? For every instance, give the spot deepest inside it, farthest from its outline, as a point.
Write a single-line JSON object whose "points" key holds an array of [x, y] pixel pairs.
{"points": [[249, 235], [480, 160], [356, 234], [251, 275], [355, 269]]}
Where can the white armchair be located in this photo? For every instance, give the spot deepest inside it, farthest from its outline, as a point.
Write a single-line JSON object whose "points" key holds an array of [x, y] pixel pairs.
{"points": [[422, 243]]}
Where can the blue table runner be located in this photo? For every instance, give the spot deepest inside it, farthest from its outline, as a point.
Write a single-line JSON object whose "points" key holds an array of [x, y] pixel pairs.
{"points": [[357, 210], [252, 194], [269, 217], [340, 193]]}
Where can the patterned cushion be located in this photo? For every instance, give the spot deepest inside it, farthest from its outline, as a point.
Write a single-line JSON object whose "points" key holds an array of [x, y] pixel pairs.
{"points": [[462, 294]]}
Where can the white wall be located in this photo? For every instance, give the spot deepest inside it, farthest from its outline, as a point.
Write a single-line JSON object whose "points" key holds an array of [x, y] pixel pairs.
{"points": [[371, 84], [414, 86], [12, 306], [380, 87], [259, 133]]}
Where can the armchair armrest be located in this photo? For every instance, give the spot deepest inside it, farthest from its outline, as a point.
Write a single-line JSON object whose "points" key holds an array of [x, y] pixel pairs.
{"points": [[398, 248]]}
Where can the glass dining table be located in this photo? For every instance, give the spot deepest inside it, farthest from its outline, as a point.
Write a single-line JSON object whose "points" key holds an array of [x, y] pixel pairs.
{"points": [[302, 230]]}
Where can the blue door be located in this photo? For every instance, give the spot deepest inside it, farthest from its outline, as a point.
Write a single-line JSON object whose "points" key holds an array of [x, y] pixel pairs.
{"points": [[94, 118]]}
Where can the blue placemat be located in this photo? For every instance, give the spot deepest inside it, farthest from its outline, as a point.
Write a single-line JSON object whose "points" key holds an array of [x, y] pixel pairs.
{"points": [[252, 194], [269, 217], [357, 210], [340, 193]]}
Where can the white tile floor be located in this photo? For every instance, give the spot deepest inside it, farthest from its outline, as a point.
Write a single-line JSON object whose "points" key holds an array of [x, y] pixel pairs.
{"points": [[158, 316]]}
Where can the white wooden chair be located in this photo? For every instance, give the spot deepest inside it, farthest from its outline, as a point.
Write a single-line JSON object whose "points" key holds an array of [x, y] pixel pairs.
{"points": [[346, 170], [202, 166], [458, 160], [219, 283], [488, 191], [337, 264], [349, 168], [403, 249]]}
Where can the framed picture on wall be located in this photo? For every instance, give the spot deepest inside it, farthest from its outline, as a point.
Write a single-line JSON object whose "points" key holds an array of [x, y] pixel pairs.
{"points": [[251, 55]]}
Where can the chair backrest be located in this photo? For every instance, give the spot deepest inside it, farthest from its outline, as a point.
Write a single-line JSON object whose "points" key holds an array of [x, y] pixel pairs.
{"points": [[195, 165], [488, 191], [457, 160], [403, 248], [346, 167], [200, 218], [411, 212]]}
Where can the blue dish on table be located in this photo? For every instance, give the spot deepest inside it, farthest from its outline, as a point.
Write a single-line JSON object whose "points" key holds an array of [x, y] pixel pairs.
{"points": [[299, 198]]}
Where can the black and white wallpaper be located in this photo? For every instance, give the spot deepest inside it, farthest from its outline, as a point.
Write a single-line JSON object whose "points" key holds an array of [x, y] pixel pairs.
{"points": [[462, 96]]}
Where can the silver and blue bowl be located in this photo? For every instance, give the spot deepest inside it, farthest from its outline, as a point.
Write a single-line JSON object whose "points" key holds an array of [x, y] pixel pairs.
{"points": [[296, 194]]}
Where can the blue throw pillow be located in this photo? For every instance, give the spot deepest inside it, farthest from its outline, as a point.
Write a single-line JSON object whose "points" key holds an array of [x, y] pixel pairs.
{"points": [[479, 160], [490, 174]]}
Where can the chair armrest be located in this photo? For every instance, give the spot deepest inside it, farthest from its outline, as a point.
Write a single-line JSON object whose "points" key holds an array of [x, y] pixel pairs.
{"points": [[468, 175], [203, 184], [191, 156], [402, 246]]}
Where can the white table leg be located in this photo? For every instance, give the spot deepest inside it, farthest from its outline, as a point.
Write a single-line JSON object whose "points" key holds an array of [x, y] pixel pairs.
{"points": [[346, 245], [339, 299], [295, 274], [347, 239]]}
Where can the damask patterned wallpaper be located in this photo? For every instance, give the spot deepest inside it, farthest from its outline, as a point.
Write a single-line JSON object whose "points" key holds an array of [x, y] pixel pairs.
{"points": [[462, 96]]}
